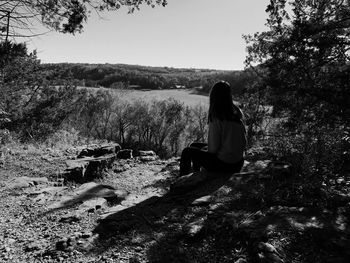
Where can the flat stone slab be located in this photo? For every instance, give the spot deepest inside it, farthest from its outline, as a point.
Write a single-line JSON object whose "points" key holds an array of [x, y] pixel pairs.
{"points": [[88, 168], [99, 150], [93, 189], [25, 181]]}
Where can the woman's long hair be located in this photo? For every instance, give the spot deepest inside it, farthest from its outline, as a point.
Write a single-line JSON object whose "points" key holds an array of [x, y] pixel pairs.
{"points": [[221, 106]]}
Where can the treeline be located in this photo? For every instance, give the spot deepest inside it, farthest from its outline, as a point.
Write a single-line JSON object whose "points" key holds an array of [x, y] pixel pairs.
{"points": [[144, 77], [164, 126]]}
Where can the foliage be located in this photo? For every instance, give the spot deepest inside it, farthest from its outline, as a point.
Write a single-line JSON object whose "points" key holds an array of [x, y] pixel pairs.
{"points": [[306, 55], [317, 154], [305, 59], [165, 126], [145, 77], [47, 112], [33, 107], [19, 78], [18, 17]]}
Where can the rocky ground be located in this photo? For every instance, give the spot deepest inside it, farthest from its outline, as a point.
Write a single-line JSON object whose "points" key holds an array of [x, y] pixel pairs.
{"points": [[139, 211]]}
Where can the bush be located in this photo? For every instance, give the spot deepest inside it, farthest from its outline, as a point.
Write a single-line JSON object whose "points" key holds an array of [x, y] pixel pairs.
{"points": [[319, 153]]}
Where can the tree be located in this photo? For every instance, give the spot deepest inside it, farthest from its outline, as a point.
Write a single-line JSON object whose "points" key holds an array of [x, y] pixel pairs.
{"points": [[19, 78], [304, 62], [306, 54], [18, 18]]}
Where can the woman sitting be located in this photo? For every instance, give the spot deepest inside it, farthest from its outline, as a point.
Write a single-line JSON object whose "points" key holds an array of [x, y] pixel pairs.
{"points": [[226, 138]]}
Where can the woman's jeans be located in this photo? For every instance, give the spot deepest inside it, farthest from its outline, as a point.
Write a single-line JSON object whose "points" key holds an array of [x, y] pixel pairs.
{"points": [[194, 155]]}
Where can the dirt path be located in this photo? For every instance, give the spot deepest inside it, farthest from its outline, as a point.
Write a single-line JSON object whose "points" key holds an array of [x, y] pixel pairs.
{"points": [[246, 218]]}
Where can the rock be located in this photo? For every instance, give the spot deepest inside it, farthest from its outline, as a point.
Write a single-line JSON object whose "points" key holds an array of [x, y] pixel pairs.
{"points": [[112, 210], [115, 196], [147, 153], [134, 199], [194, 229], [217, 207], [93, 204], [88, 168], [268, 253], [202, 201], [85, 187], [41, 199], [89, 191], [189, 181], [267, 247], [257, 166], [52, 190], [93, 189], [99, 150], [65, 201], [148, 158], [25, 181], [125, 154]]}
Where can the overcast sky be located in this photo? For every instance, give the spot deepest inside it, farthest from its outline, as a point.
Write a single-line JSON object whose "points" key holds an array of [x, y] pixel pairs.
{"points": [[185, 33]]}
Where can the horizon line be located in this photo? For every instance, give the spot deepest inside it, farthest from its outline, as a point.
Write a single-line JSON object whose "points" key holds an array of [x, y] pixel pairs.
{"points": [[140, 65]]}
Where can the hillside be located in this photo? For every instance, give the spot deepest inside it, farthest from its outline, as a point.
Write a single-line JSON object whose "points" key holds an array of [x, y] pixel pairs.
{"points": [[144, 77]]}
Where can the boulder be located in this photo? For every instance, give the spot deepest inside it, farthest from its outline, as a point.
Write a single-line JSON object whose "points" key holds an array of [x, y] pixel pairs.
{"points": [[86, 169], [125, 154], [99, 150]]}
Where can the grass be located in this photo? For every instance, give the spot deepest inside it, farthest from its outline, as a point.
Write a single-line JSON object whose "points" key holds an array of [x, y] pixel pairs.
{"points": [[188, 96]]}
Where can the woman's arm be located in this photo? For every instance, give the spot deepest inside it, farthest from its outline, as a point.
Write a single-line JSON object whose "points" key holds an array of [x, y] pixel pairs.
{"points": [[214, 137]]}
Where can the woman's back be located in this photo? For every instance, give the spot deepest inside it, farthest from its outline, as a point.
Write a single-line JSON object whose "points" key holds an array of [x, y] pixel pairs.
{"points": [[227, 139]]}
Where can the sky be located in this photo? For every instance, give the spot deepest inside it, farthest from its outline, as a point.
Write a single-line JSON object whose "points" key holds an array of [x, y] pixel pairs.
{"points": [[184, 34]]}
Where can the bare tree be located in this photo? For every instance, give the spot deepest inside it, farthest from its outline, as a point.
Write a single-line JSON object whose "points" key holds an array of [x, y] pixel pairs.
{"points": [[20, 18]]}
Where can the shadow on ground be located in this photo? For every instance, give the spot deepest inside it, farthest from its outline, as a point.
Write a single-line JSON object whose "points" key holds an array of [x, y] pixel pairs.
{"points": [[241, 218], [90, 191]]}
